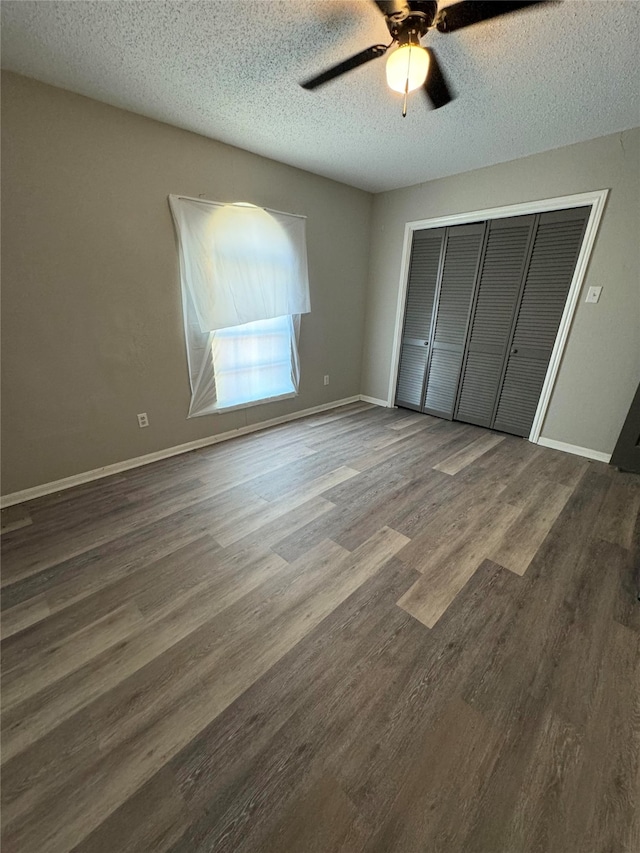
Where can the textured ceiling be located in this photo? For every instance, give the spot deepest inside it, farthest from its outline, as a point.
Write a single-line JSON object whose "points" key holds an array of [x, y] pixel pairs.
{"points": [[230, 70]]}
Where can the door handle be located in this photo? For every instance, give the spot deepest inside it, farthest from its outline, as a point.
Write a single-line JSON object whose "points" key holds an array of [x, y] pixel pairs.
{"points": [[514, 351], [426, 343]]}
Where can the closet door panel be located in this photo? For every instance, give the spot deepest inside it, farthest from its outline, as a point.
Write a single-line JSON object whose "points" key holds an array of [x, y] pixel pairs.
{"points": [[480, 383], [423, 276], [444, 372], [520, 393], [556, 246], [413, 363], [499, 286], [462, 253]]}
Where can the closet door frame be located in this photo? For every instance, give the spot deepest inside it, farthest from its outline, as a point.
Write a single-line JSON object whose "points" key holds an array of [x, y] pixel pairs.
{"points": [[596, 200]]}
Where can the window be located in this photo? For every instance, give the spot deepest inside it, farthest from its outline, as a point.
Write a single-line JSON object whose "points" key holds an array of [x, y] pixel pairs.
{"points": [[244, 280], [252, 362]]}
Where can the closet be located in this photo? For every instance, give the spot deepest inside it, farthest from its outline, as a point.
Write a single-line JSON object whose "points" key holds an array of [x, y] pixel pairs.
{"points": [[484, 302]]}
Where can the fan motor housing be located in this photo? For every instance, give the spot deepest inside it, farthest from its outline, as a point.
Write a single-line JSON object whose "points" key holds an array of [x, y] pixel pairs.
{"points": [[411, 28]]}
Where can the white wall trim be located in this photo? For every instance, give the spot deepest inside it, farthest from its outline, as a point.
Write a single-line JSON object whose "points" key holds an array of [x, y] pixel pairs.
{"points": [[147, 459], [520, 209], [409, 228], [598, 455], [156, 456], [597, 202], [375, 400], [595, 198]]}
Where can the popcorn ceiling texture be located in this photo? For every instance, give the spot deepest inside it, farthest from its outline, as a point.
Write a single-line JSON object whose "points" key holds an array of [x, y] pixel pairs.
{"points": [[230, 70]]}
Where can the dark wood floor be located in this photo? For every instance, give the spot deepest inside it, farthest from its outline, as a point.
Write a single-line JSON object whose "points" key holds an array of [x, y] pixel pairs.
{"points": [[366, 631]]}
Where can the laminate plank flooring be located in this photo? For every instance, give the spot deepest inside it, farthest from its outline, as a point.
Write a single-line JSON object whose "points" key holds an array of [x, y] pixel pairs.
{"points": [[469, 454], [447, 567], [13, 518], [520, 542], [368, 630], [24, 614]]}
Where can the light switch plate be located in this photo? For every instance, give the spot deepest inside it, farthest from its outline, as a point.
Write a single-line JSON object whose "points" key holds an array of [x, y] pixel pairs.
{"points": [[593, 294]]}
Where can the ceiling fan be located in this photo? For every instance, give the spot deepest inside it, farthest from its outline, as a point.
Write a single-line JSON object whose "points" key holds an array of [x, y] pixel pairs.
{"points": [[411, 66]]}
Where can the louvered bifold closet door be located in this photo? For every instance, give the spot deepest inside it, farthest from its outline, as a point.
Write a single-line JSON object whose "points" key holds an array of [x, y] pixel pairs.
{"points": [[502, 270], [556, 246], [421, 288], [463, 246]]}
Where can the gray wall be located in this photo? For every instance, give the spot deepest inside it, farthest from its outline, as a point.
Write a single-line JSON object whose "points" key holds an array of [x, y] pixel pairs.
{"points": [[91, 321], [92, 329], [600, 369]]}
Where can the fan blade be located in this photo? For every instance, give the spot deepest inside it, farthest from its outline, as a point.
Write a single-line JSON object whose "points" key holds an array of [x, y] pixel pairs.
{"points": [[389, 8], [348, 65], [470, 12], [436, 87]]}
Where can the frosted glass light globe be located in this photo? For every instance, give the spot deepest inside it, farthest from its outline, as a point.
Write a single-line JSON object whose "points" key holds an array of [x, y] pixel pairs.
{"points": [[407, 68]]}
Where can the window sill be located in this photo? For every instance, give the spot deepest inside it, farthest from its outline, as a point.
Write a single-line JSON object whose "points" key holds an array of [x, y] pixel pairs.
{"points": [[221, 410]]}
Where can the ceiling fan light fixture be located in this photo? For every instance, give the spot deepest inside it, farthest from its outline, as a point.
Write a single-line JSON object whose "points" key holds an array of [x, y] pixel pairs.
{"points": [[407, 68]]}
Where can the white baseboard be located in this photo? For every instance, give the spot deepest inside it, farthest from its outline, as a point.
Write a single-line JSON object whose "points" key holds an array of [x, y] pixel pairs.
{"points": [[139, 461], [598, 455], [374, 400]]}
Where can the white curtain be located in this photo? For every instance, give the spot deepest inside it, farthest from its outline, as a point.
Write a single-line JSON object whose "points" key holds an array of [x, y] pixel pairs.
{"points": [[240, 264]]}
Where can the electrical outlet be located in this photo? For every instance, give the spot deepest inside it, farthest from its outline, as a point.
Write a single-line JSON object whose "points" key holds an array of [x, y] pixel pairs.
{"points": [[326, 379], [143, 420], [593, 294]]}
